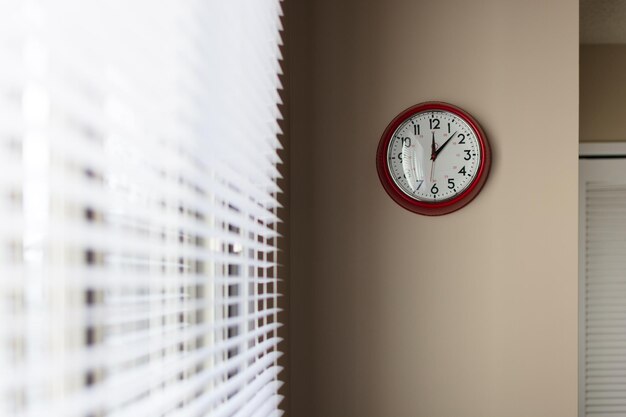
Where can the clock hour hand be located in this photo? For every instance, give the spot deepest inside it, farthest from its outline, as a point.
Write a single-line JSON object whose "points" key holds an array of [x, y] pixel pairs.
{"points": [[443, 146]]}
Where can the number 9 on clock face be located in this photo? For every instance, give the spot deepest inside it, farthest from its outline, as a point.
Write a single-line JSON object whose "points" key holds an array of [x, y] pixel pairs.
{"points": [[433, 158]]}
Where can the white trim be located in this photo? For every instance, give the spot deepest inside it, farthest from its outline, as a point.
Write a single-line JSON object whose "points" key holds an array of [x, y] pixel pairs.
{"points": [[602, 148], [581, 288]]}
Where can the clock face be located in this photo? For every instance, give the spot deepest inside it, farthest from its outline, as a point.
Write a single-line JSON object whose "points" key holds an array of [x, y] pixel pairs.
{"points": [[433, 158]]}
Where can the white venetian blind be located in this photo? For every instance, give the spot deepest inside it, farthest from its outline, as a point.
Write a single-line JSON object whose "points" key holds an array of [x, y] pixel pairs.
{"points": [[138, 207], [603, 288]]}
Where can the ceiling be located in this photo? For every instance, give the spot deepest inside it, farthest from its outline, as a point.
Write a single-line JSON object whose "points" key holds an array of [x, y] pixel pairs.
{"points": [[602, 21]]}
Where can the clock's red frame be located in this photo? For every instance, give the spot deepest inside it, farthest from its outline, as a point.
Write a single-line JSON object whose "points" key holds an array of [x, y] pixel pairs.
{"points": [[440, 207]]}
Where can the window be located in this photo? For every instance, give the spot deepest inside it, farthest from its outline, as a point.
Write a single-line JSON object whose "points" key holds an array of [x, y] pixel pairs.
{"points": [[138, 197]]}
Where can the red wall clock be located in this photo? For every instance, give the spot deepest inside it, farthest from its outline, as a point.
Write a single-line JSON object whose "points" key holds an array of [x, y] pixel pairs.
{"points": [[433, 158]]}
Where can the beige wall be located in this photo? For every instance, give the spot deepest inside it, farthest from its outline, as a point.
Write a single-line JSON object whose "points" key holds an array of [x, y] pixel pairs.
{"points": [[602, 93], [470, 314]]}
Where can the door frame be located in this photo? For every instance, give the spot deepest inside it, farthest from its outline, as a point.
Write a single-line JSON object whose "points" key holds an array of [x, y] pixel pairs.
{"points": [[600, 149]]}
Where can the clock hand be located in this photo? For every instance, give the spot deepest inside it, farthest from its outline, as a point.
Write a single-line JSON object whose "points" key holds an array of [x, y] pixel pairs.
{"points": [[432, 169], [432, 148], [443, 146]]}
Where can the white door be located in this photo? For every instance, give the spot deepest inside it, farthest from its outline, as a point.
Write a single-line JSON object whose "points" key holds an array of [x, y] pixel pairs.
{"points": [[602, 270]]}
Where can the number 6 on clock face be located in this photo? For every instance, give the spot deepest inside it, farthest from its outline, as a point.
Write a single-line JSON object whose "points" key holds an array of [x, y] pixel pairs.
{"points": [[433, 158]]}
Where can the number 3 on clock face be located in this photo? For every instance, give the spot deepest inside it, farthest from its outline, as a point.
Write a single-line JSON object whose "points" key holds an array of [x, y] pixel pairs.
{"points": [[433, 158]]}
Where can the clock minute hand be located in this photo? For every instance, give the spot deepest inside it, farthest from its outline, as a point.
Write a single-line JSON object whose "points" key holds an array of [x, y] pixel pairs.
{"points": [[443, 146], [433, 152]]}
